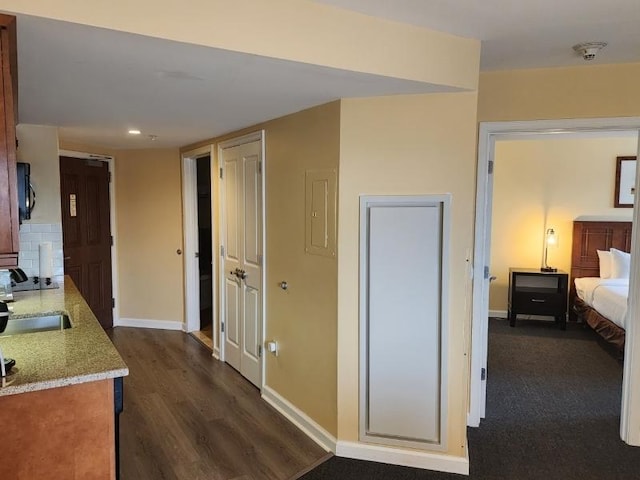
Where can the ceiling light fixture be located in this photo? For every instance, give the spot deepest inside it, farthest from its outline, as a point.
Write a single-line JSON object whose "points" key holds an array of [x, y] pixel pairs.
{"points": [[134, 131], [589, 50]]}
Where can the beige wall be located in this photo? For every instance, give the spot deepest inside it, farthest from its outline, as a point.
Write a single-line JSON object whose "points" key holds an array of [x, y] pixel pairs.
{"points": [[302, 319], [38, 145], [547, 183], [406, 145], [297, 30], [149, 231], [554, 93], [148, 192]]}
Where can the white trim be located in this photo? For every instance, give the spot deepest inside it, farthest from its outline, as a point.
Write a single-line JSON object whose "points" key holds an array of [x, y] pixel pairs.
{"points": [[189, 245], [149, 323], [498, 313], [408, 458], [241, 140], [115, 280], [630, 416], [190, 238], [265, 288], [233, 142], [489, 132], [221, 245], [300, 419], [83, 155]]}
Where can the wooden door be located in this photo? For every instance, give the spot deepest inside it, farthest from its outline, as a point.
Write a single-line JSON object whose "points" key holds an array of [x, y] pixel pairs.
{"points": [[242, 217], [86, 233]]}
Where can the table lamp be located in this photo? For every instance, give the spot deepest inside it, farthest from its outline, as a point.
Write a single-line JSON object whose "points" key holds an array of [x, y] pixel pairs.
{"points": [[550, 239]]}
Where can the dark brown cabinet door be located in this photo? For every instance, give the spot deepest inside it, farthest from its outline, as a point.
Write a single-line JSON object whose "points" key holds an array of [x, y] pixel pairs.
{"points": [[86, 234], [8, 185]]}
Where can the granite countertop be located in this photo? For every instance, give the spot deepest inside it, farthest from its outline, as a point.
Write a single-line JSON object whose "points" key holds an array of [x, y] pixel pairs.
{"points": [[82, 353]]}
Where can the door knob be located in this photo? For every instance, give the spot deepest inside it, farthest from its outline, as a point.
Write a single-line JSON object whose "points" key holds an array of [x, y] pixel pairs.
{"points": [[492, 278]]}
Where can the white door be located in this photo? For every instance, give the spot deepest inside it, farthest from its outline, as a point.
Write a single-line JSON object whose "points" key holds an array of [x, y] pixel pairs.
{"points": [[242, 218], [481, 284], [404, 324]]}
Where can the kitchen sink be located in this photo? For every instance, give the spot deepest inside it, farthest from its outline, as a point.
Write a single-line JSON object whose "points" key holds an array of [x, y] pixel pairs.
{"points": [[44, 323]]}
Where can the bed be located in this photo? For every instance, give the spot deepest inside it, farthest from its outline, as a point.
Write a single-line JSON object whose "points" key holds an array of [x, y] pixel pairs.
{"points": [[599, 302]]}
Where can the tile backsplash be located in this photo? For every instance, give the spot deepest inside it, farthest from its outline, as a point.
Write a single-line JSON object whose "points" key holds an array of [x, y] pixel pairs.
{"points": [[31, 235]]}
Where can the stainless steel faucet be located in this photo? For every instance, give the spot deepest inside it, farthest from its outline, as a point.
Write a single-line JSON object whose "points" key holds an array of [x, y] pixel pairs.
{"points": [[18, 275]]}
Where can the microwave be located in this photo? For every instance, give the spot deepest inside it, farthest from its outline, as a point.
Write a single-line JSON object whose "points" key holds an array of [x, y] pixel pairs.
{"points": [[26, 194]]}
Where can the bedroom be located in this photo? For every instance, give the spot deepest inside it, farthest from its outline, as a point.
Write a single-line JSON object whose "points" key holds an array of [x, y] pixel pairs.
{"points": [[543, 182]]}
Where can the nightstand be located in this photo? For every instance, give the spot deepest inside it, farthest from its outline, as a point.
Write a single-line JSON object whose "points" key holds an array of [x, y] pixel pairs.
{"points": [[533, 292]]}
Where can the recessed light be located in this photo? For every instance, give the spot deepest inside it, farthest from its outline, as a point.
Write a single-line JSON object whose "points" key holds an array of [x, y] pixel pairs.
{"points": [[133, 131]]}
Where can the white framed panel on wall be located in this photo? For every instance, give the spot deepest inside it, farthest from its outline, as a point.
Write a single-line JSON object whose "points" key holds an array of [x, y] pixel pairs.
{"points": [[403, 320]]}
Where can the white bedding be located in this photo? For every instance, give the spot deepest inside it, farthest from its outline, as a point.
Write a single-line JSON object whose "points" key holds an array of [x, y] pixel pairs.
{"points": [[606, 295]]}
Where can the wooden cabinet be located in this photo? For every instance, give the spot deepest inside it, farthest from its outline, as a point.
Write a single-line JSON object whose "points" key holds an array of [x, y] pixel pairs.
{"points": [[60, 433], [534, 292], [8, 119]]}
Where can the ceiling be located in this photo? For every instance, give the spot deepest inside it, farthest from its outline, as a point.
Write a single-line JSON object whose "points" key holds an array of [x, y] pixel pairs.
{"points": [[95, 84], [522, 34]]}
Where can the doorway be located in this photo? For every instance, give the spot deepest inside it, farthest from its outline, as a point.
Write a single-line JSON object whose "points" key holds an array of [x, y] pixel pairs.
{"points": [[242, 240], [205, 246], [489, 133], [200, 233], [237, 239], [86, 230]]}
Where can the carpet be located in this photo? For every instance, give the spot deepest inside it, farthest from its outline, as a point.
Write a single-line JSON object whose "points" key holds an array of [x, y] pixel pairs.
{"points": [[553, 412]]}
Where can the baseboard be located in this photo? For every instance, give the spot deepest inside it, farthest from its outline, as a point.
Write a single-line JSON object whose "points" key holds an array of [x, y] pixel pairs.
{"points": [[299, 419], [408, 458], [148, 323], [498, 313]]}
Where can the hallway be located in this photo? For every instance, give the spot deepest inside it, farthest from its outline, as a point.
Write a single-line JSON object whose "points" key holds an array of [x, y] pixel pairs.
{"points": [[188, 416]]}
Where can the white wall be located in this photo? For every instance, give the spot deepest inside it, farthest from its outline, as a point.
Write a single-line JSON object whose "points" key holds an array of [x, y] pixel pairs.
{"points": [[38, 146]]}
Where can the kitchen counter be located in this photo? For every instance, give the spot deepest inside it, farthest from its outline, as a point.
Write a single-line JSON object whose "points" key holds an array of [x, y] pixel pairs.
{"points": [[80, 354]]}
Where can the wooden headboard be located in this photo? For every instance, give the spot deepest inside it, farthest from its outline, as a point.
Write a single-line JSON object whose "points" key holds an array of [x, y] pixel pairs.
{"points": [[591, 236], [588, 237]]}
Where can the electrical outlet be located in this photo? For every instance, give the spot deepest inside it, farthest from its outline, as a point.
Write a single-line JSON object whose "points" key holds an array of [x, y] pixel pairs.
{"points": [[272, 347]]}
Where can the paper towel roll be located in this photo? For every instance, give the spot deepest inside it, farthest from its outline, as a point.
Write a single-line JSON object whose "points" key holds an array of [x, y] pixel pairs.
{"points": [[46, 260]]}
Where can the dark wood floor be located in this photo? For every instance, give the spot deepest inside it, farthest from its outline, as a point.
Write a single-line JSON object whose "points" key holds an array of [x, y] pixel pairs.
{"points": [[188, 416]]}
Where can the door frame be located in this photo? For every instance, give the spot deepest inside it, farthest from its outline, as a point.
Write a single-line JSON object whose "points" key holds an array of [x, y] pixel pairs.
{"points": [[112, 220], [489, 132], [233, 142], [190, 239]]}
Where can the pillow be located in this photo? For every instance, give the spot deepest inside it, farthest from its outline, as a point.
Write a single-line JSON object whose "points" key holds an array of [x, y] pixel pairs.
{"points": [[605, 263], [620, 263]]}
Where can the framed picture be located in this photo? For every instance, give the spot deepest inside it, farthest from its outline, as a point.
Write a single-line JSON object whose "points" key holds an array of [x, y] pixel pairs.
{"points": [[625, 182]]}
